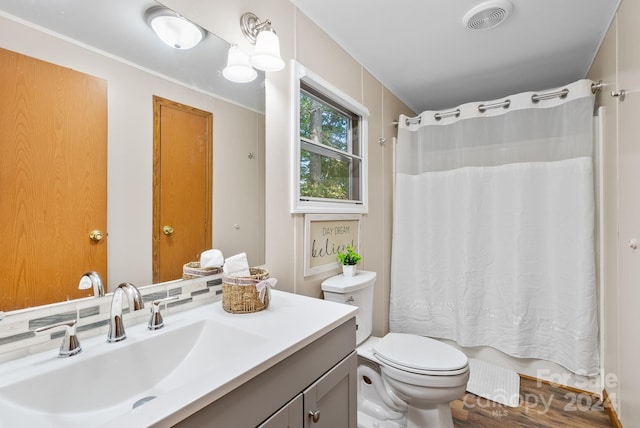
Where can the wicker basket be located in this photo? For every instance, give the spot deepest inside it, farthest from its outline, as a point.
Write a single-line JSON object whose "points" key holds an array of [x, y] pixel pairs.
{"points": [[240, 295], [193, 270]]}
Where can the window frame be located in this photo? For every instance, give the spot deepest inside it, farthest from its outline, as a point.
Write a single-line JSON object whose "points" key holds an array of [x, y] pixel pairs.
{"points": [[343, 103]]}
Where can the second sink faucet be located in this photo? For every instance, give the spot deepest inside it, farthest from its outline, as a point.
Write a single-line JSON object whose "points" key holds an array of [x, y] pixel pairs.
{"points": [[92, 279], [116, 326]]}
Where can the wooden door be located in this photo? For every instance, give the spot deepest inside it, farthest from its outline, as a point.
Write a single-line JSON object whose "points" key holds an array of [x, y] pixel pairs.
{"points": [[53, 180], [182, 187]]}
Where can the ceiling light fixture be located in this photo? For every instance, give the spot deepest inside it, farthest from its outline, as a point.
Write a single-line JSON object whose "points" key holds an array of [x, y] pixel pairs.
{"points": [[173, 29]]}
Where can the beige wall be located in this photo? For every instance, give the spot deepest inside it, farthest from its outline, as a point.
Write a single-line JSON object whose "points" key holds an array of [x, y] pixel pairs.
{"points": [[316, 51], [302, 40], [618, 66], [305, 42], [237, 131]]}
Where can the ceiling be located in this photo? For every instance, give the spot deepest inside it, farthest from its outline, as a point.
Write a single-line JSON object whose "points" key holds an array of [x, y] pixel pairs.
{"points": [[118, 28], [424, 54]]}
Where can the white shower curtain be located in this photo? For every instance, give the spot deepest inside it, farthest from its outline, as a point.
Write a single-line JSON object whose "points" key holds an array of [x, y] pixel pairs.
{"points": [[493, 231]]}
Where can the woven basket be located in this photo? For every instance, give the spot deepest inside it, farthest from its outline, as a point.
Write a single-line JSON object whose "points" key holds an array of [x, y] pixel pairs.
{"points": [[193, 270], [240, 295]]}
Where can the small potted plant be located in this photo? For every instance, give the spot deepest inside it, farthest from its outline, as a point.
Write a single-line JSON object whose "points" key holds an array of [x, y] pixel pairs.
{"points": [[349, 260]]}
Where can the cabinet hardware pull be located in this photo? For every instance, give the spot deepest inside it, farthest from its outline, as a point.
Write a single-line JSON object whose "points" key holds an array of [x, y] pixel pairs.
{"points": [[315, 416]]}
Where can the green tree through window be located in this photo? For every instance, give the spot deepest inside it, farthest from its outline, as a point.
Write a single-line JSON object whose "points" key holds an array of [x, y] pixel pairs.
{"points": [[329, 158]]}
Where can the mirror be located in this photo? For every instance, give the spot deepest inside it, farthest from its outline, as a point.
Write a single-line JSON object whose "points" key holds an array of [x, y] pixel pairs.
{"points": [[112, 41]]}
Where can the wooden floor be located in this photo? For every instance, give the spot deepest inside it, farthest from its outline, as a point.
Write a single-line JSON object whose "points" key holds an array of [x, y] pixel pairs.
{"points": [[541, 406]]}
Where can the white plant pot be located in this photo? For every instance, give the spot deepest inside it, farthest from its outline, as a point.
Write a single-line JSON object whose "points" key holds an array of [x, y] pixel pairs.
{"points": [[348, 270]]}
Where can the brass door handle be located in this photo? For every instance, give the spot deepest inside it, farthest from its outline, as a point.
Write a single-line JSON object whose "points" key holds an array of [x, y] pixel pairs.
{"points": [[167, 230], [96, 235]]}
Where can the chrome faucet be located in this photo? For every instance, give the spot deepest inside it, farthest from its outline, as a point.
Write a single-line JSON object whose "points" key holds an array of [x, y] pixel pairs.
{"points": [[92, 279], [116, 326], [156, 321], [70, 344]]}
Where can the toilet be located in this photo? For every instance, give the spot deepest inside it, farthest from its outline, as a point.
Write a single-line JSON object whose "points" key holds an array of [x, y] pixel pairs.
{"points": [[404, 380]]}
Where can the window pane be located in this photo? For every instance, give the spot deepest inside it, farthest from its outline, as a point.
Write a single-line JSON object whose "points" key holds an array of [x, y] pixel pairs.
{"points": [[328, 177], [323, 124]]}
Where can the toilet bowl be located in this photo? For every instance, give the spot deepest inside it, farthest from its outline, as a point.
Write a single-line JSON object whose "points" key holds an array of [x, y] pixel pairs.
{"points": [[404, 380]]}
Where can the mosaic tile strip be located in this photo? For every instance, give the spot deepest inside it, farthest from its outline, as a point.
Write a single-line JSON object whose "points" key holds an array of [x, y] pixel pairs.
{"points": [[89, 312], [52, 319], [16, 337], [199, 292]]}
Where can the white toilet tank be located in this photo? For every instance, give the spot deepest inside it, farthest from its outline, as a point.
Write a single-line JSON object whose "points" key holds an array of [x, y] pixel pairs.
{"points": [[356, 290]]}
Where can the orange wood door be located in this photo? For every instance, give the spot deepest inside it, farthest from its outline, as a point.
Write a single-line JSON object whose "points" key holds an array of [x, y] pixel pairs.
{"points": [[53, 180], [182, 187]]}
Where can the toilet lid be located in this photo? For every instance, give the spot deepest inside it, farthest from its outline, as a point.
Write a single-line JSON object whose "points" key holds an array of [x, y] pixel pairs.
{"points": [[419, 353]]}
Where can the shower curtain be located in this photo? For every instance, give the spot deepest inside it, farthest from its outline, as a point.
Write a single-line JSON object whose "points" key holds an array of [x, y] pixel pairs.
{"points": [[493, 230]]}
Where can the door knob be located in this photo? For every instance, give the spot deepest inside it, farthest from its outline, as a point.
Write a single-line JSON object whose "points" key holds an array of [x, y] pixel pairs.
{"points": [[167, 230], [96, 235]]}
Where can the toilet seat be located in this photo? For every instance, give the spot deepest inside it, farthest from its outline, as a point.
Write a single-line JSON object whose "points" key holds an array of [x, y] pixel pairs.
{"points": [[420, 355]]}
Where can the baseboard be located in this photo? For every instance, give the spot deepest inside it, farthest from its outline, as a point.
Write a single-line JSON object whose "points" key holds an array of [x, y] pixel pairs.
{"points": [[611, 411], [568, 388]]}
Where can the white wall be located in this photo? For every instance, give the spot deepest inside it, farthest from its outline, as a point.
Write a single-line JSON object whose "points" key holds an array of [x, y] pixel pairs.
{"points": [[236, 132], [618, 66], [303, 41]]}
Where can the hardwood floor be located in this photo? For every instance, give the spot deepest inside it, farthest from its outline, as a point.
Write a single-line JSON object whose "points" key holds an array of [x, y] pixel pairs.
{"points": [[541, 406]]}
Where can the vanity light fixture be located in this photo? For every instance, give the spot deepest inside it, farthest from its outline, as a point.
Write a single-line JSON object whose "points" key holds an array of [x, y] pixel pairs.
{"points": [[238, 68], [173, 29], [266, 55]]}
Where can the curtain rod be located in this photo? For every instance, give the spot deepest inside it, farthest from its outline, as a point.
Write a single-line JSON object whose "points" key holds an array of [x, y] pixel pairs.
{"points": [[595, 87]]}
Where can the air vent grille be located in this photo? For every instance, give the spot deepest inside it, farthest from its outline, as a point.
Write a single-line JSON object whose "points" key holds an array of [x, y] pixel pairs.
{"points": [[487, 15]]}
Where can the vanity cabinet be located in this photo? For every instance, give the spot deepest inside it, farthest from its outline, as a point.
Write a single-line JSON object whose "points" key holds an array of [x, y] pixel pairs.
{"points": [[290, 416], [327, 403], [319, 379]]}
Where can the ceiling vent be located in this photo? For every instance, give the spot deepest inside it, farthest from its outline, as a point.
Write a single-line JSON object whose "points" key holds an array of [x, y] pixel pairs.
{"points": [[487, 15]]}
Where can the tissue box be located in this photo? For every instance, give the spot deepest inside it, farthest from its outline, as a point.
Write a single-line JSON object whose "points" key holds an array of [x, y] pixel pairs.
{"points": [[240, 295], [193, 270]]}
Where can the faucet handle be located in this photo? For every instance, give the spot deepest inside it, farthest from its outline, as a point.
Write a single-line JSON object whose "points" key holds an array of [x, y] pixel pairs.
{"points": [[156, 322], [70, 344]]}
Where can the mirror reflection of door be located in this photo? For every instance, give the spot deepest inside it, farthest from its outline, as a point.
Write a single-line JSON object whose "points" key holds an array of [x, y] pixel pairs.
{"points": [[182, 186], [53, 180]]}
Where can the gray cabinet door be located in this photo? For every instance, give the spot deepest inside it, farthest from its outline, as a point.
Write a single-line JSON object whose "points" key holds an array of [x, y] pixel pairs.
{"points": [[331, 402], [287, 417]]}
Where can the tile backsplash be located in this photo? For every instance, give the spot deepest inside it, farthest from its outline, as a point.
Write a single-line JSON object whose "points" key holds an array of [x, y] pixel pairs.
{"points": [[17, 338]]}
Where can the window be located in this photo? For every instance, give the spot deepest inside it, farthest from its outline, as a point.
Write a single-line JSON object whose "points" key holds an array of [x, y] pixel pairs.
{"points": [[330, 162]]}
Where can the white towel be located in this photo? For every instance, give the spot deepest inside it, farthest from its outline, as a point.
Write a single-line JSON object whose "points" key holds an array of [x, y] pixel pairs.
{"points": [[211, 258], [237, 265]]}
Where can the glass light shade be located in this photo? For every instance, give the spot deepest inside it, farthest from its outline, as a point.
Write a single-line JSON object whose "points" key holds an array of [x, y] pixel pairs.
{"points": [[176, 31], [266, 55], [238, 68]]}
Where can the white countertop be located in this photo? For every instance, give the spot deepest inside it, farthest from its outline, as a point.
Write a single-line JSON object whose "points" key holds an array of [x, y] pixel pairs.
{"points": [[289, 324]]}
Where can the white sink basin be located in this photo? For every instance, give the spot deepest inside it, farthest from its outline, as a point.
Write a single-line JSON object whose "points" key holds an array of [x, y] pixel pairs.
{"points": [[127, 374], [157, 378]]}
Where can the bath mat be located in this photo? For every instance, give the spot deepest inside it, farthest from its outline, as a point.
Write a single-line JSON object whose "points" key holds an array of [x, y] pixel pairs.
{"points": [[494, 383]]}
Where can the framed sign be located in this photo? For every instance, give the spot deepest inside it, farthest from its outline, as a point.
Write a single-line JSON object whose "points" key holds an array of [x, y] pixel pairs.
{"points": [[324, 236]]}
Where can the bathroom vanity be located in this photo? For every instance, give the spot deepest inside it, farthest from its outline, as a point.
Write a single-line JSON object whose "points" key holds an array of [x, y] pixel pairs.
{"points": [[287, 366], [316, 383]]}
